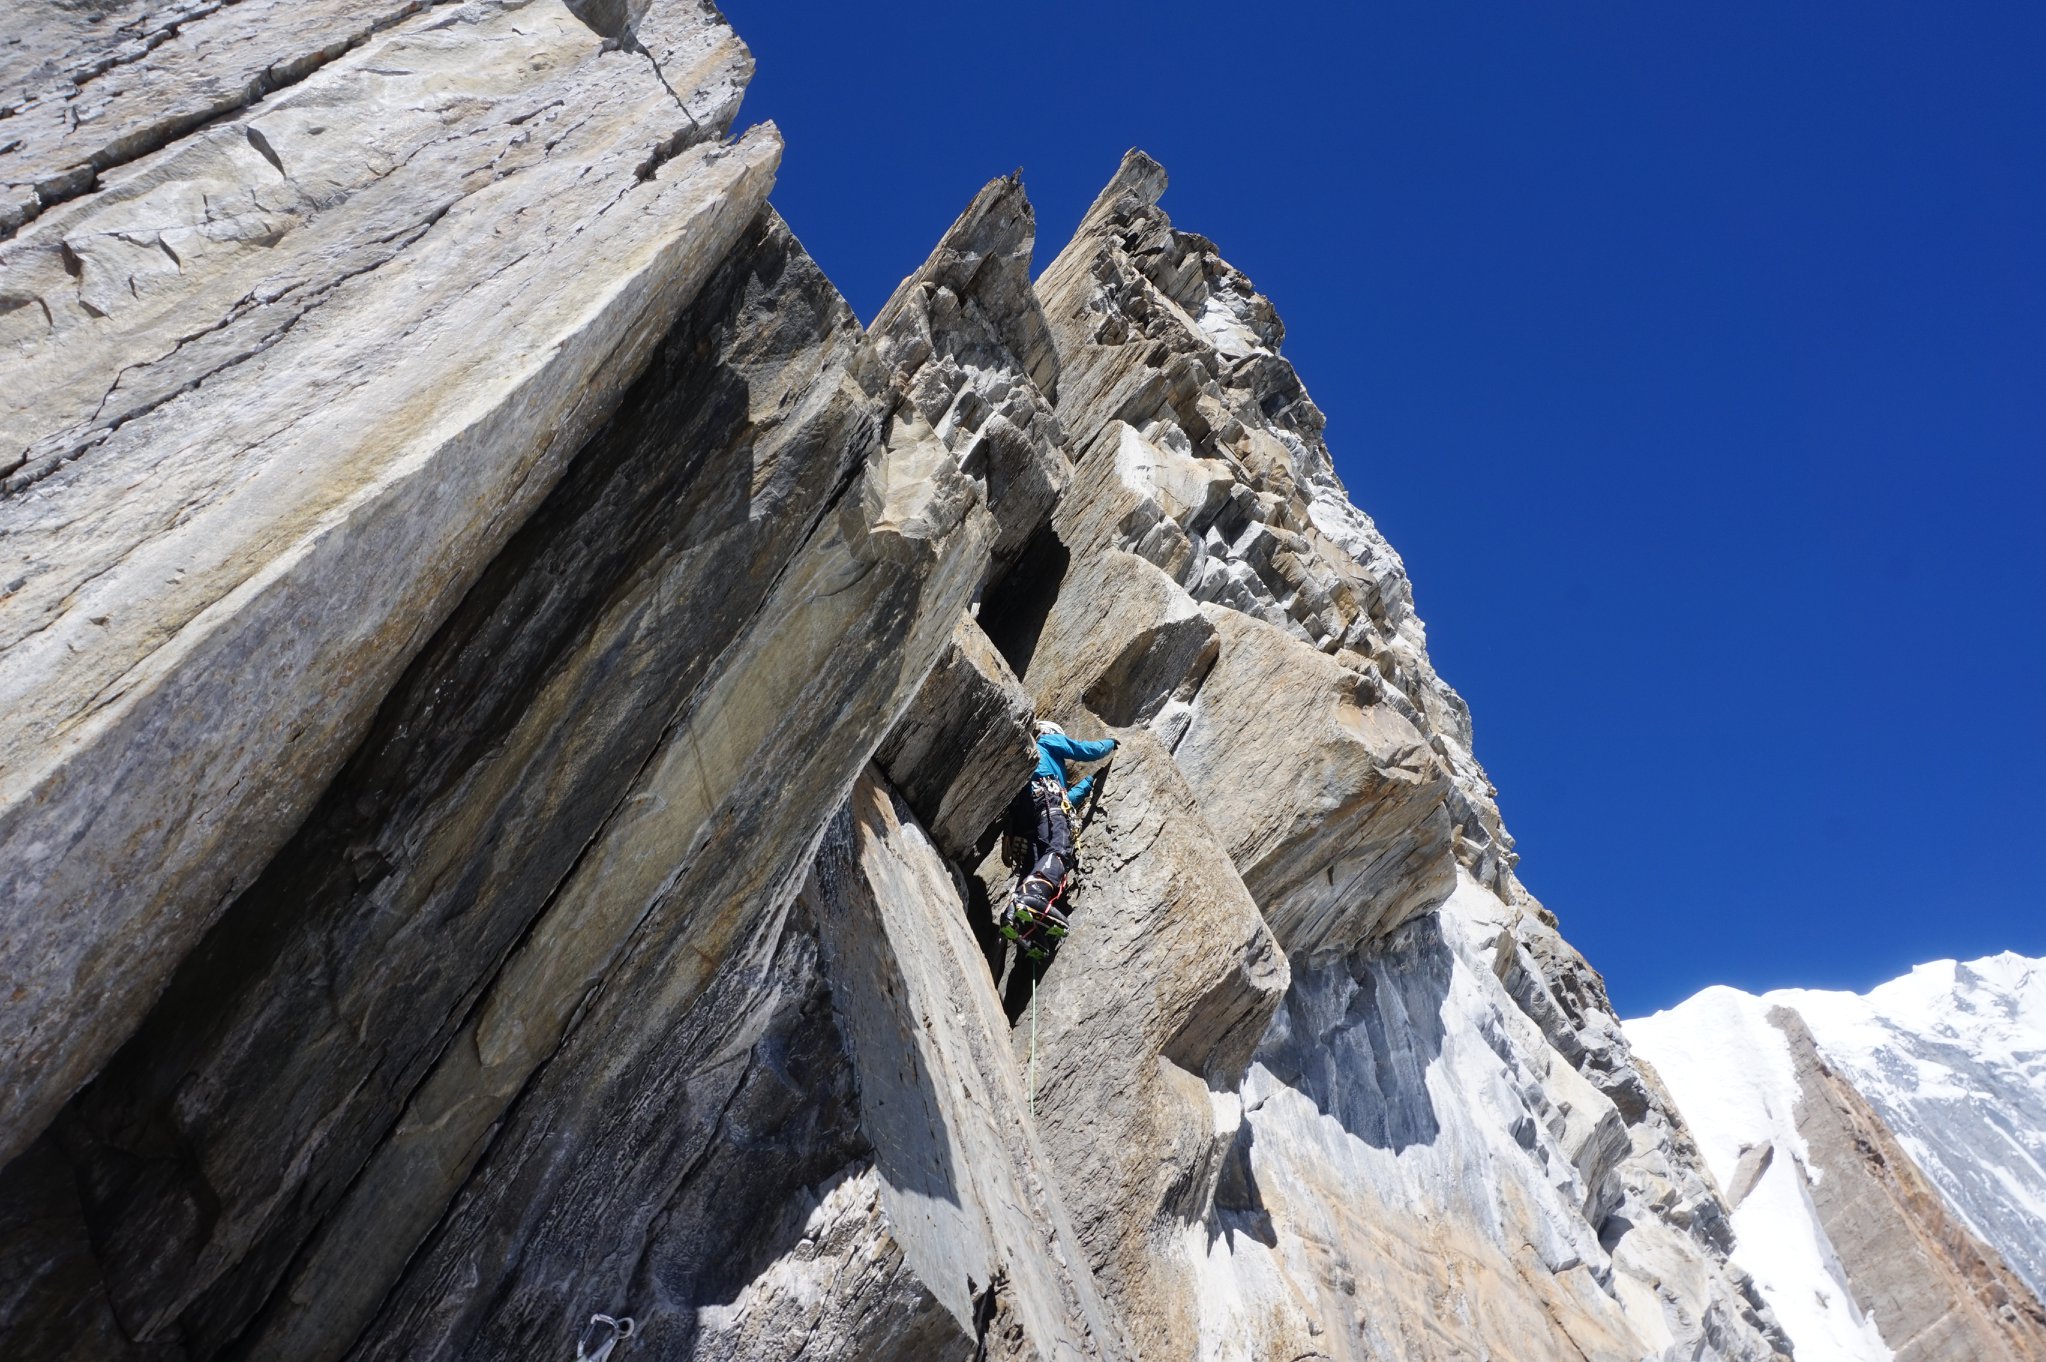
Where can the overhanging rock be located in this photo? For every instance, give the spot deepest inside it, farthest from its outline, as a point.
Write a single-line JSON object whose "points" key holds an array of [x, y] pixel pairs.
{"points": [[964, 747], [1333, 803]]}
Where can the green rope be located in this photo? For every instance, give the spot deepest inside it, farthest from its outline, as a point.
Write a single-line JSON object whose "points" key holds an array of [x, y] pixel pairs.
{"points": [[1033, 1037]]}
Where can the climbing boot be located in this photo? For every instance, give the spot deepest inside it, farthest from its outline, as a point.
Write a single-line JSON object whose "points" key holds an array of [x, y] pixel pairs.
{"points": [[1036, 901], [1032, 895]]}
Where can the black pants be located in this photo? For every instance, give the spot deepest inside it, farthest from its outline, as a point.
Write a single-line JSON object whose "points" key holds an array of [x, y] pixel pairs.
{"points": [[1051, 841]]}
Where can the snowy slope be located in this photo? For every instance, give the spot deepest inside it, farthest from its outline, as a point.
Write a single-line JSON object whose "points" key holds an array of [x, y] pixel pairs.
{"points": [[1953, 1056], [1731, 1074]]}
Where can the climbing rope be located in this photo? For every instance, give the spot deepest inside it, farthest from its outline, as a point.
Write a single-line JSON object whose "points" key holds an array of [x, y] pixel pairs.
{"points": [[601, 1335], [1033, 1038]]}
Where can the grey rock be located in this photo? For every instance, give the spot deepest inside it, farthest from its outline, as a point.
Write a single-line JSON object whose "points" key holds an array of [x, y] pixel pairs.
{"points": [[961, 1163], [844, 1292], [1754, 1162], [1335, 747], [1406, 1134], [966, 346], [1963, 1084], [1333, 804], [657, 911], [558, 802], [438, 848], [1143, 1024], [92, 87], [52, 1303], [1898, 1109], [1122, 640], [1170, 374]]}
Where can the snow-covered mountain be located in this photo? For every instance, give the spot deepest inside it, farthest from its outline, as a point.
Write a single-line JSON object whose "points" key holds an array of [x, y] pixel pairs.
{"points": [[1944, 1069], [1954, 1057]]}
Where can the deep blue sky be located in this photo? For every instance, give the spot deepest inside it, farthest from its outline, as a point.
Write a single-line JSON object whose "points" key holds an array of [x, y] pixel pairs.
{"points": [[1693, 355]]}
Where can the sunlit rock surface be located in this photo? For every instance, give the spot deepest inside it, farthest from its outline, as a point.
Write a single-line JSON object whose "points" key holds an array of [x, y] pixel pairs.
{"points": [[511, 692], [1953, 1058]]}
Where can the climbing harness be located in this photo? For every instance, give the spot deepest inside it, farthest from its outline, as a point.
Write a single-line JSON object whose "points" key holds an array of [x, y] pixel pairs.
{"points": [[601, 1335], [1033, 910]]}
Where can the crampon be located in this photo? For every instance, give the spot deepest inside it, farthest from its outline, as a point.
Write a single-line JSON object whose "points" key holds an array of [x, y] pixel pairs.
{"points": [[1028, 936]]}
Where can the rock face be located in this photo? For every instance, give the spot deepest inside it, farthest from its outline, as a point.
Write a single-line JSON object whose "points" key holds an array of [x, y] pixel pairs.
{"points": [[1937, 1289], [1863, 1251], [315, 360], [510, 695], [1444, 1149]]}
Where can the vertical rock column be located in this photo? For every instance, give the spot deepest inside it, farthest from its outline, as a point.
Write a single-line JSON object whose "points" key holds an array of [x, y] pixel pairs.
{"points": [[585, 1191], [1938, 1293], [965, 1176], [286, 1049], [1137, 1037], [1202, 458]]}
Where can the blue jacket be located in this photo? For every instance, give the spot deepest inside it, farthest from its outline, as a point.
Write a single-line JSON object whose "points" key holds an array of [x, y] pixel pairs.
{"points": [[1054, 750]]}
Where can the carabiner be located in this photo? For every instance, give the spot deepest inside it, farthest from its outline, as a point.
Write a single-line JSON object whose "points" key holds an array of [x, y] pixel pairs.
{"points": [[609, 1333]]}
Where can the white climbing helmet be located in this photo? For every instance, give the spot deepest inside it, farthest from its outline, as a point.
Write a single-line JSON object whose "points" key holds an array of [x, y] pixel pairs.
{"points": [[1045, 728]]}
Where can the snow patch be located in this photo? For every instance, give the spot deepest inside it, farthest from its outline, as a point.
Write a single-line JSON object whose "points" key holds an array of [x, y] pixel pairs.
{"points": [[1226, 330]]}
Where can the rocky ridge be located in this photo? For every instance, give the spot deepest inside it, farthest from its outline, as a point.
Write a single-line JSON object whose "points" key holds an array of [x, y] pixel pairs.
{"points": [[511, 689]]}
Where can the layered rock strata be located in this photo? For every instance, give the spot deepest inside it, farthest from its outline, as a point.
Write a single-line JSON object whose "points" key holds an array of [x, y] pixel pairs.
{"points": [[277, 393], [1952, 1057], [513, 692], [1442, 1116]]}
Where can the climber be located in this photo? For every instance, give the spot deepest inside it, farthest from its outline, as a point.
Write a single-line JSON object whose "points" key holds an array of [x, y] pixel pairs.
{"points": [[1050, 821]]}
